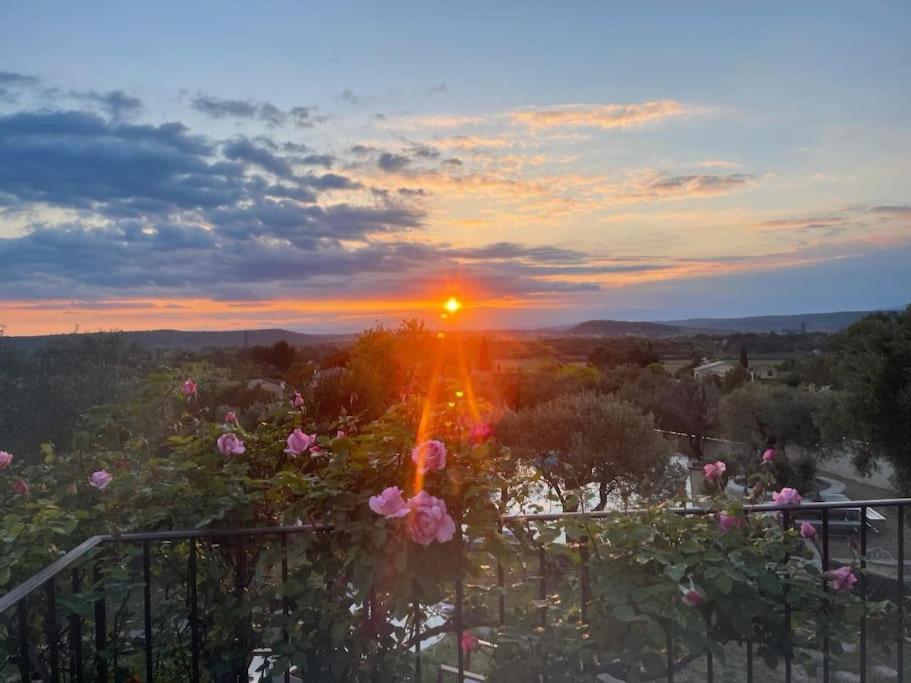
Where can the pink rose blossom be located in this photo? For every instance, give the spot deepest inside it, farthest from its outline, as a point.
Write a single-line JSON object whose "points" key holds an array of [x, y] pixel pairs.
{"points": [[480, 433], [429, 456], [728, 522], [5, 459], [298, 442], [429, 520], [714, 470], [468, 641], [340, 434], [769, 455], [841, 579], [298, 400], [692, 597], [188, 387], [389, 503], [807, 530], [20, 486], [787, 496], [229, 444], [100, 479], [230, 417]]}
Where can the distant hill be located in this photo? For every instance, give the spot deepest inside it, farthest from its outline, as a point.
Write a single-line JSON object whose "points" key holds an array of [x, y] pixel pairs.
{"points": [[621, 328], [814, 322], [811, 322], [195, 341]]}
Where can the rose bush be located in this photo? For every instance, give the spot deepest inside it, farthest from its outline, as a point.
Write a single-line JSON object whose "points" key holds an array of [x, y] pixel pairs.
{"points": [[412, 500]]}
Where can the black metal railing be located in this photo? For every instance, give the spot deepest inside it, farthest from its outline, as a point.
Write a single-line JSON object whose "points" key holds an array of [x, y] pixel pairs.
{"points": [[77, 669]]}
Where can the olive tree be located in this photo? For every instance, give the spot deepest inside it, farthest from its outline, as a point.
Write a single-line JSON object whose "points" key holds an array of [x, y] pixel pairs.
{"points": [[589, 438]]}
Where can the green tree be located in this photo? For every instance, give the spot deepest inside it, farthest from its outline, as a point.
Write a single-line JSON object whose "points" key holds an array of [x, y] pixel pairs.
{"points": [[874, 362], [484, 356], [734, 378], [589, 439]]}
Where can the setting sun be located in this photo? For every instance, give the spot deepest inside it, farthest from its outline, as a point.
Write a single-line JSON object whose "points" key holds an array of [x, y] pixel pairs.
{"points": [[452, 304]]}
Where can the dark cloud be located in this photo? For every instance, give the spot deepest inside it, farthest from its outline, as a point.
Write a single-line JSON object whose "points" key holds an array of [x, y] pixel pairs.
{"points": [[79, 160], [363, 150], [219, 108], [423, 152], [12, 83], [260, 251], [245, 151], [391, 163], [348, 96], [892, 210], [116, 103], [440, 87], [324, 160]]}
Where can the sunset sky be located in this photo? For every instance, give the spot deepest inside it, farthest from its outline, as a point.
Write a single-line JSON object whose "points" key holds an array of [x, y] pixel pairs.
{"points": [[319, 166]]}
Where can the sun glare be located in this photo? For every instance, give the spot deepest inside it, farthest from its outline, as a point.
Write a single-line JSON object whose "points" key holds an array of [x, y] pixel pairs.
{"points": [[452, 304]]}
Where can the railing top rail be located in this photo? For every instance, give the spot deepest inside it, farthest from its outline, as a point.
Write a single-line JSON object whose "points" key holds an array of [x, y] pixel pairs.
{"points": [[52, 570], [697, 510]]}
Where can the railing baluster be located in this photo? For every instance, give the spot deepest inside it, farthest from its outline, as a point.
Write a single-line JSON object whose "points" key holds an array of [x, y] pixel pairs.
{"points": [[147, 608], [825, 568], [901, 592], [501, 582], [286, 606], [786, 523], [709, 659], [76, 673], [194, 620], [542, 584], [863, 594], [416, 632], [584, 577], [101, 628], [24, 664], [459, 626], [750, 661], [51, 631]]}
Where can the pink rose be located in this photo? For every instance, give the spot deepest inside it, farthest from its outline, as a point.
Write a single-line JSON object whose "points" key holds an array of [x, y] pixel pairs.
{"points": [[100, 479], [230, 417], [429, 456], [841, 579], [769, 455], [728, 522], [714, 470], [468, 641], [5, 459], [298, 442], [787, 496], [807, 530], [229, 444], [480, 433], [389, 503], [188, 387], [340, 434], [429, 520], [20, 486], [298, 400], [692, 597]]}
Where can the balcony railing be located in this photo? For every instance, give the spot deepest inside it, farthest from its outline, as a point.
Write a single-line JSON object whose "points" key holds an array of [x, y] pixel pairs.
{"points": [[61, 656]]}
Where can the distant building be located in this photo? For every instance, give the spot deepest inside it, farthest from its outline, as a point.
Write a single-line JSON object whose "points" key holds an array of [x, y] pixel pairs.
{"points": [[759, 369], [718, 368]]}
